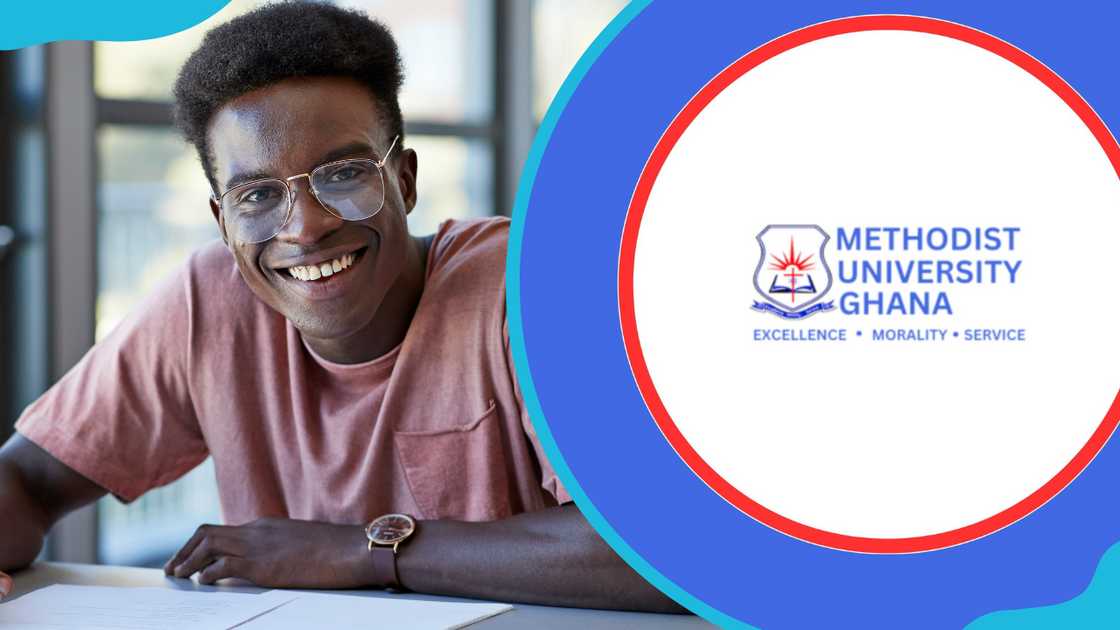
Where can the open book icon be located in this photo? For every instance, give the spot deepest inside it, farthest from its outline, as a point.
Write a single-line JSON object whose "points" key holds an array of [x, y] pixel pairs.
{"points": [[804, 288]]}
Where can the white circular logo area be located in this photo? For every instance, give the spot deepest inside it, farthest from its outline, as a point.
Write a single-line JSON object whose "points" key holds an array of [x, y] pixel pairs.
{"points": [[869, 284]]}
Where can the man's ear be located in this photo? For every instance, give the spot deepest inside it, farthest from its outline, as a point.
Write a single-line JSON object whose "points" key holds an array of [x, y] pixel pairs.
{"points": [[216, 210], [406, 178]]}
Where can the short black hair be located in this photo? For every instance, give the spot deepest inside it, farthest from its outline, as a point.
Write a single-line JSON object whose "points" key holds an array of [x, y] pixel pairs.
{"points": [[280, 41]]}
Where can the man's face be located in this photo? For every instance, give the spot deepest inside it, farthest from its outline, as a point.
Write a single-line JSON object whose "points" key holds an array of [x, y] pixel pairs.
{"points": [[287, 129]]}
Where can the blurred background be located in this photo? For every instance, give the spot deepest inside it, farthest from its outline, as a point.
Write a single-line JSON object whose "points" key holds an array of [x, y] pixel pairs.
{"points": [[100, 199]]}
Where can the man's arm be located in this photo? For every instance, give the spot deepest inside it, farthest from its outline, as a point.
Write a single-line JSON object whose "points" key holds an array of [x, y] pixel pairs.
{"points": [[551, 557], [35, 491]]}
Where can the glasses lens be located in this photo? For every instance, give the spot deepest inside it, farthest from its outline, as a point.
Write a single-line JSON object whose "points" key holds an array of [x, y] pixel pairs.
{"points": [[256, 211], [352, 189]]}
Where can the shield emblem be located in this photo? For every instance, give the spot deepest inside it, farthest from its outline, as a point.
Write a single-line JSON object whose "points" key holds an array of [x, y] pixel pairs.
{"points": [[792, 276]]}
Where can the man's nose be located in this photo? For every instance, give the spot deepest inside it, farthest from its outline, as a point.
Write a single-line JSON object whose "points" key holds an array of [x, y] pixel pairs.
{"points": [[310, 221]]}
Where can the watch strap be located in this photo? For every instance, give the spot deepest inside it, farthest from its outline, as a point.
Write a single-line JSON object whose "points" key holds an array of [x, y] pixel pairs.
{"points": [[385, 567]]}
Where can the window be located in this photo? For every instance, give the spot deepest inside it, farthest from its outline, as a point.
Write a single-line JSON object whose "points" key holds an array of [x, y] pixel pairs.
{"points": [[152, 198], [23, 244], [562, 30]]}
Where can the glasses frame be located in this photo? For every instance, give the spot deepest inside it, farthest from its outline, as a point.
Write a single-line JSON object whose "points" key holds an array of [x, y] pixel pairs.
{"points": [[286, 183]]}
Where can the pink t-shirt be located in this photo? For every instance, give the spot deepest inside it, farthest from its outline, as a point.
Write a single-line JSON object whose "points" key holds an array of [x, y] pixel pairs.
{"points": [[435, 428]]}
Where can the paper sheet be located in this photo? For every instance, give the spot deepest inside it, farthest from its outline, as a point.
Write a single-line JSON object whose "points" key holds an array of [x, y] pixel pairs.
{"points": [[105, 607], [351, 612]]}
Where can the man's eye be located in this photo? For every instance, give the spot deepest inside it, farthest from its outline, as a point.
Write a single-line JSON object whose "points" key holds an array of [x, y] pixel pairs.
{"points": [[257, 195], [343, 174]]}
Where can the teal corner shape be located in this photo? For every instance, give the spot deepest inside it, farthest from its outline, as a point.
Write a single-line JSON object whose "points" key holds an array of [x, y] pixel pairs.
{"points": [[27, 23], [517, 338], [1098, 606]]}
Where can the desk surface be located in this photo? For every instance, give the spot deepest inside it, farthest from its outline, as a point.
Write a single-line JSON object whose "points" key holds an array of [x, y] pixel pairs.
{"points": [[522, 616]]}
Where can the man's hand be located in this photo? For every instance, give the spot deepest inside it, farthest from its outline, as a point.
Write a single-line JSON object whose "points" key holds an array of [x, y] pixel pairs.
{"points": [[5, 585], [277, 553]]}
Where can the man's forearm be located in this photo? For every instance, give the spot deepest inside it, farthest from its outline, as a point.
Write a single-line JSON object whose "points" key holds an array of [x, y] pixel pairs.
{"points": [[22, 525], [35, 491], [549, 557], [546, 557]]}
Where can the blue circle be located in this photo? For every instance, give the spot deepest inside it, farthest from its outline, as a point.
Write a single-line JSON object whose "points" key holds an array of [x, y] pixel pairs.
{"points": [[564, 325]]}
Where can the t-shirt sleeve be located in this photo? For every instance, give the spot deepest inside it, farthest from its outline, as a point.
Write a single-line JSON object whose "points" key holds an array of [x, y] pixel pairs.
{"points": [[123, 416], [549, 480]]}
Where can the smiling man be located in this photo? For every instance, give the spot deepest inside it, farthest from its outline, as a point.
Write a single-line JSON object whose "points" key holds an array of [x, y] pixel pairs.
{"points": [[352, 382]]}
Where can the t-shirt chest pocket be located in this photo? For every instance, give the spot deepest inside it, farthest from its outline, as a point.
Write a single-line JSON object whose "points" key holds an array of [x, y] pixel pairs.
{"points": [[460, 472]]}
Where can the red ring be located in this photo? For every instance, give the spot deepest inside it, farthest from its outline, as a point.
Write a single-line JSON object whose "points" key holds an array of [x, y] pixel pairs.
{"points": [[626, 284]]}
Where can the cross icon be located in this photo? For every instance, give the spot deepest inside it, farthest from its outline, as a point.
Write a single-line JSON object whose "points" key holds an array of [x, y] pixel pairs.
{"points": [[793, 276]]}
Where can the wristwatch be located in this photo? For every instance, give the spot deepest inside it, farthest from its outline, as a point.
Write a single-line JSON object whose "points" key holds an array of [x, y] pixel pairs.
{"points": [[385, 534]]}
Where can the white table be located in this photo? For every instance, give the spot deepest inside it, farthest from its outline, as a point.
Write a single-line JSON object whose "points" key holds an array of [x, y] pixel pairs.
{"points": [[522, 616]]}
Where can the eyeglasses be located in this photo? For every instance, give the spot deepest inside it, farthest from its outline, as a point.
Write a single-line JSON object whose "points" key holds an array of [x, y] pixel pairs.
{"points": [[352, 189]]}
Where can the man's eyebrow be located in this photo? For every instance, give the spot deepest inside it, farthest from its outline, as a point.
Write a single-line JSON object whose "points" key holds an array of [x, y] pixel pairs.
{"points": [[244, 178], [354, 149]]}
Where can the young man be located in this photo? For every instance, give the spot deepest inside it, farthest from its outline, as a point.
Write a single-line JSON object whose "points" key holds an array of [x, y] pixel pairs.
{"points": [[352, 383]]}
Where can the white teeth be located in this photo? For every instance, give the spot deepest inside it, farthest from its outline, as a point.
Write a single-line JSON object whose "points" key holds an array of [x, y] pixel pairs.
{"points": [[323, 270]]}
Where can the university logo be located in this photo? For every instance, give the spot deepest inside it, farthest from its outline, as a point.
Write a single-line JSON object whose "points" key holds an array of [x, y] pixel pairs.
{"points": [[792, 276]]}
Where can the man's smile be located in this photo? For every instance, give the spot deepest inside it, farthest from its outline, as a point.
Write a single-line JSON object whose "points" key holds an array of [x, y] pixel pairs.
{"points": [[324, 264], [324, 274], [311, 273]]}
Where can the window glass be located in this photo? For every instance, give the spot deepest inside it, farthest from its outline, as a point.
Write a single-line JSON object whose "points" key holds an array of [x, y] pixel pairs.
{"points": [[453, 180], [562, 31], [23, 269], [148, 531], [145, 70], [446, 46], [153, 212]]}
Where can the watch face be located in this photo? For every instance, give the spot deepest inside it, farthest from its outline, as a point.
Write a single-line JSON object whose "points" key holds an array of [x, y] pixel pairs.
{"points": [[391, 528]]}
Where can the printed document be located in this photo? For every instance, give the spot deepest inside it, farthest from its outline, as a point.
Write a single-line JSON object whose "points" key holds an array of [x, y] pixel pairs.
{"points": [[105, 607]]}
